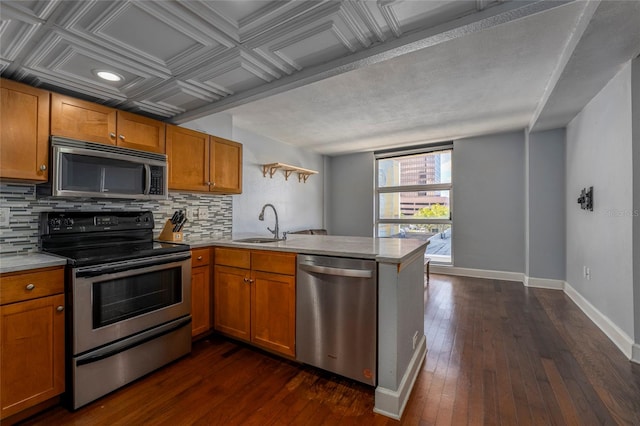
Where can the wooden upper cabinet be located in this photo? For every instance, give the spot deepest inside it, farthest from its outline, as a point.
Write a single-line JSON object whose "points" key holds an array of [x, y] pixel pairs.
{"points": [[188, 156], [91, 122], [138, 132], [200, 162], [86, 121], [24, 133], [226, 166]]}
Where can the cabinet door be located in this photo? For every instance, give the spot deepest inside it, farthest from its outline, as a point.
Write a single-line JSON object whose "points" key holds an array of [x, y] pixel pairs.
{"points": [[24, 134], [32, 353], [78, 119], [232, 301], [200, 300], [273, 312], [226, 166], [188, 157], [138, 132]]}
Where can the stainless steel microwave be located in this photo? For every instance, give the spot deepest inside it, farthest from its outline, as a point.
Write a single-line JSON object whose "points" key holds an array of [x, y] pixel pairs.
{"points": [[85, 169]]}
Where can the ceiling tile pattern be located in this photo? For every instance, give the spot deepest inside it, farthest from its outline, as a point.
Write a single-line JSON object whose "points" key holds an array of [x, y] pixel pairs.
{"points": [[178, 56]]}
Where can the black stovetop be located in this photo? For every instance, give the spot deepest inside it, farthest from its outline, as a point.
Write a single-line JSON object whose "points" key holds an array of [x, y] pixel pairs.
{"points": [[93, 238]]}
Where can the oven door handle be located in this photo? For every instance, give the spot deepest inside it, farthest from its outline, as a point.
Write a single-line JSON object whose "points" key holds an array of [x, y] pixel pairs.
{"points": [[132, 342], [95, 271]]}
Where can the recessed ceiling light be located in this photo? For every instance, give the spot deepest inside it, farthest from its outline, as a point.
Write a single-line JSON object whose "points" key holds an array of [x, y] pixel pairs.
{"points": [[108, 75]]}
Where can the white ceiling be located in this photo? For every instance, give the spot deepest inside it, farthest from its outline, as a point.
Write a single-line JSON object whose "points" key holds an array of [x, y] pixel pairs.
{"points": [[332, 76]]}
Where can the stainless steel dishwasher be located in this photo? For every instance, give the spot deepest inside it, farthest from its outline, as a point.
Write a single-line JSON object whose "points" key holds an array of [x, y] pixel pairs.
{"points": [[336, 315]]}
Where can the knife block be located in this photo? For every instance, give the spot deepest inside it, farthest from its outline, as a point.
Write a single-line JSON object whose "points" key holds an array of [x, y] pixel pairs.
{"points": [[167, 233]]}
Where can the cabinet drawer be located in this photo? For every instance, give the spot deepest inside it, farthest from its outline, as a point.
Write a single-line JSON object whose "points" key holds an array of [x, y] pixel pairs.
{"points": [[269, 261], [17, 286], [200, 257], [238, 258]]}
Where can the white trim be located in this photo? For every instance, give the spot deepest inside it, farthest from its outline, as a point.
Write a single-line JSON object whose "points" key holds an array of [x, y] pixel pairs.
{"points": [[635, 353], [391, 403], [477, 273], [612, 331], [543, 283]]}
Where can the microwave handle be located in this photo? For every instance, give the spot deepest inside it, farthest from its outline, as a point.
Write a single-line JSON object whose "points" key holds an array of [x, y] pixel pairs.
{"points": [[147, 179]]}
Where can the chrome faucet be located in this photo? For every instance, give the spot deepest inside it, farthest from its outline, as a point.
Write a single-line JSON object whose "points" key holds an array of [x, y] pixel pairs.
{"points": [[276, 231]]}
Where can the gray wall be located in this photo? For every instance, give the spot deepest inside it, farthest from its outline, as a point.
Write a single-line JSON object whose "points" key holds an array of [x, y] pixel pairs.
{"points": [[635, 111], [599, 154], [488, 202], [546, 205], [350, 195]]}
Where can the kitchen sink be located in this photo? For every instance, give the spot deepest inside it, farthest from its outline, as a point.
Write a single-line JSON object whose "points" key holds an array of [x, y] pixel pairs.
{"points": [[258, 240]]}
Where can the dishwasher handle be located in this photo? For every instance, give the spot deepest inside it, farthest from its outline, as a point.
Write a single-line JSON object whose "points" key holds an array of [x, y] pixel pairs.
{"points": [[341, 272]]}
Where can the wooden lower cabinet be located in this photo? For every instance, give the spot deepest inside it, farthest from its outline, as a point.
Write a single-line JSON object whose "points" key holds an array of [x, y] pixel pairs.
{"points": [[200, 291], [31, 342], [254, 297]]}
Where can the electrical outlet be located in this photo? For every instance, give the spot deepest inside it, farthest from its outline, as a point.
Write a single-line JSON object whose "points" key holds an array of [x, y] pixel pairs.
{"points": [[5, 212], [586, 272], [203, 213]]}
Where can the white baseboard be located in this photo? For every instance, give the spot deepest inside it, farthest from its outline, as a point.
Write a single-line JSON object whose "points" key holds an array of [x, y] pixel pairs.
{"points": [[391, 403], [543, 283], [635, 353], [612, 331]]}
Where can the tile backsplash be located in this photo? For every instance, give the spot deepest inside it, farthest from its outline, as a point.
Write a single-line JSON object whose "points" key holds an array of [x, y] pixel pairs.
{"points": [[21, 235]]}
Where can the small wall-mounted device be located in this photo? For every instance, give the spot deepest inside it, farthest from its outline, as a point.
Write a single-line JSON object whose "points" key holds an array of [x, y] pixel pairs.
{"points": [[586, 199]]}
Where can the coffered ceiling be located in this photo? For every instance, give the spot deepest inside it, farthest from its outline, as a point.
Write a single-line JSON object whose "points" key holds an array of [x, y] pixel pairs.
{"points": [[333, 76]]}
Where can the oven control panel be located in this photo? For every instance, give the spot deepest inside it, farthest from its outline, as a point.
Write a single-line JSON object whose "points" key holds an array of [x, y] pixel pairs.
{"points": [[74, 222]]}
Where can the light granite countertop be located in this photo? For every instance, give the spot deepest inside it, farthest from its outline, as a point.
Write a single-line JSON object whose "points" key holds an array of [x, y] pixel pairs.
{"points": [[383, 250], [23, 262]]}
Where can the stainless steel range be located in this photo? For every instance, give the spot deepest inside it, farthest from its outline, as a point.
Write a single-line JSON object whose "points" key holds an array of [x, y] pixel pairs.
{"points": [[130, 298]]}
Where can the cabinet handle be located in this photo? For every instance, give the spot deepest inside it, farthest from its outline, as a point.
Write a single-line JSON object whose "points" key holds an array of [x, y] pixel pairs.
{"points": [[250, 281], [43, 167], [30, 287], [60, 308], [246, 280], [208, 183], [112, 135], [121, 137], [199, 257], [213, 184]]}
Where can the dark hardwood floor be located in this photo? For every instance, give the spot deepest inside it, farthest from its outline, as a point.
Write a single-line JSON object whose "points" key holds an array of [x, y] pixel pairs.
{"points": [[498, 353]]}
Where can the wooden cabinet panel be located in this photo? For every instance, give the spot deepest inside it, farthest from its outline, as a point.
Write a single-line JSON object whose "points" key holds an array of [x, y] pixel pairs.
{"points": [[273, 310], [138, 132], [18, 286], [24, 134], [200, 300], [232, 298], [262, 300], [270, 261], [200, 257], [188, 156], [78, 119], [32, 354], [226, 166], [238, 258]]}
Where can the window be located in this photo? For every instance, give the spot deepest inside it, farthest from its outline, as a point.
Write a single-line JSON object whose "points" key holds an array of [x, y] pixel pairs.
{"points": [[413, 197]]}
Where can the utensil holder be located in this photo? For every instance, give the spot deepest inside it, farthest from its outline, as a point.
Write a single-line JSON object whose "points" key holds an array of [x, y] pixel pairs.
{"points": [[167, 233]]}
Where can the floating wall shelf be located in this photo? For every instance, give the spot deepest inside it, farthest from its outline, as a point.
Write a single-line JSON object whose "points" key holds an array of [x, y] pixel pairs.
{"points": [[271, 168]]}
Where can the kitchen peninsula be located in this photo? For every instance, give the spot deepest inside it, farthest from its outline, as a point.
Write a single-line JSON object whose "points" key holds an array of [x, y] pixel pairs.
{"points": [[400, 272]]}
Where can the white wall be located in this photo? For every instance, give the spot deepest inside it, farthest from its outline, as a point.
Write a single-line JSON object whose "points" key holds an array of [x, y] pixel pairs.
{"points": [[599, 154], [299, 205], [350, 195], [488, 202]]}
